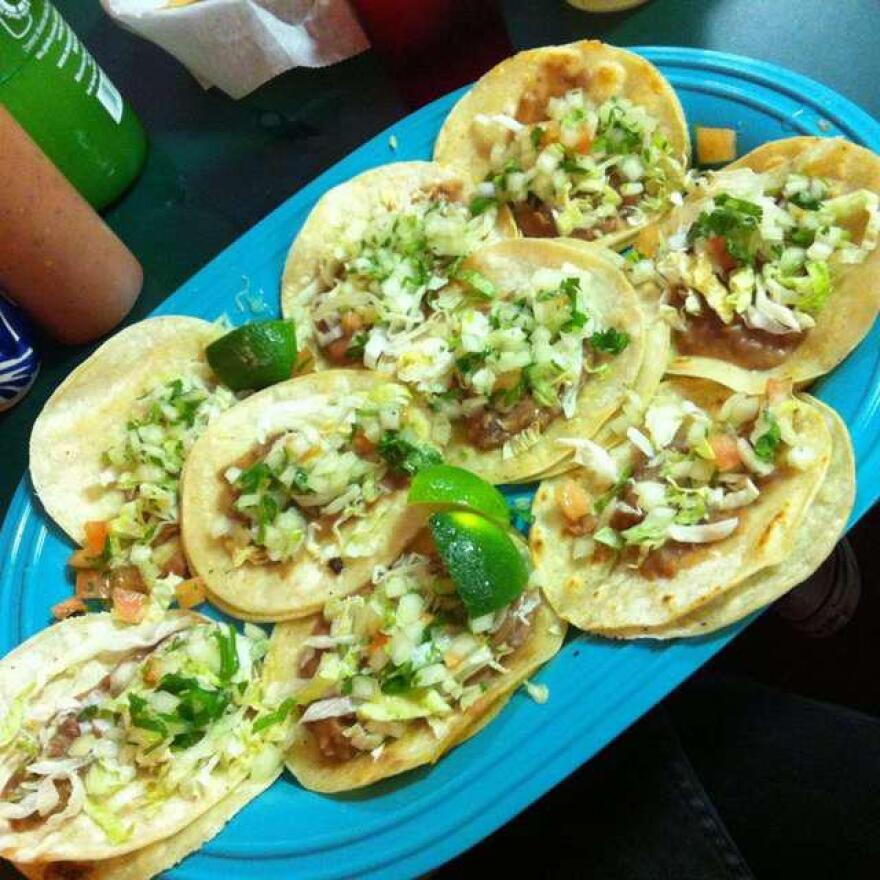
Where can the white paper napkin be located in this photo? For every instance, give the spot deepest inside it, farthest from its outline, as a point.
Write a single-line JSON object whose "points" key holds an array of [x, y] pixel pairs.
{"points": [[237, 45]]}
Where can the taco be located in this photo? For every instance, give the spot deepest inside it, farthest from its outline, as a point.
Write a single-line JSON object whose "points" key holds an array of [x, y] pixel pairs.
{"points": [[107, 451], [392, 677], [531, 337], [710, 491], [117, 736], [152, 860], [549, 348], [293, 496], [821, 529], [771, 267], [372, 255], [584, 140]]}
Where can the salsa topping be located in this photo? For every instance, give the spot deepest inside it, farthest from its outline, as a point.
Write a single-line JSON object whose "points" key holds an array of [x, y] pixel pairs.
{"points": [[305, 483], [747, 278], [402, 652], [501, 363], [138, 550], [586, 170], [162, 722], [383, 275], [682, 479]]}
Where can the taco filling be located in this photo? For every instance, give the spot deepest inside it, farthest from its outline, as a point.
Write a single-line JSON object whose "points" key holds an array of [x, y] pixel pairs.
{"points": [[162, 722], [501, 364], [519, 361], [401, 654], [572, 167], [383, 275], [300, 486], [689, 480], [137, 553], [748, 278]]}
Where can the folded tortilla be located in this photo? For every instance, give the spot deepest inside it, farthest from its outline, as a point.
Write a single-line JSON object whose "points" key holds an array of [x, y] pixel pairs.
{"points": [[604, 595], [601, 394], [332, 560], [419, 745], [152, 860], [822, 527], [88, 412], [48, 684], [347, 214], [516, 93], [849, 313]]}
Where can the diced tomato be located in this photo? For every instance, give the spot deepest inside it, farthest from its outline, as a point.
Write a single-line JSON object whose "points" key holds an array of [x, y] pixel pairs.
{"points": [[68, 607], [127, 578], [150, 672], [574, 502], [778, 390], [726, 453], [337, 351], [378, 641], [451, 659], [717, 247], [648, 240], [128, 606], [507, 381], [584, 144], [92, 584], [96, 537], [715, 145], [362, 444], [190, 592]]}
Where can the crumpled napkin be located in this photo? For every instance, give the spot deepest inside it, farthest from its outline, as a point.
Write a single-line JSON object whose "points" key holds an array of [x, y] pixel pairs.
{"points": [[237, 45]]}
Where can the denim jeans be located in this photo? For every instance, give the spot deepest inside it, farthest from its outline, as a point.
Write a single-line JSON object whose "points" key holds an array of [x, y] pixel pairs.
{"points": [[726, 779]]}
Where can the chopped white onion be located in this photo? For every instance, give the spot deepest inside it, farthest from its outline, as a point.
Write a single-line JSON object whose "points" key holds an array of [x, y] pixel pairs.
{"points": [[703, 534]]}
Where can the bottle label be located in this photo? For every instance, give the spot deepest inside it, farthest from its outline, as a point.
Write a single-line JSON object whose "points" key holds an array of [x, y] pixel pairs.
{"points": [[38, 30]]}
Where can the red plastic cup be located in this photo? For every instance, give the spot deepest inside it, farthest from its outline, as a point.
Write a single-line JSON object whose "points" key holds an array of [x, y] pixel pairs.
{"points": [[431, 47]]}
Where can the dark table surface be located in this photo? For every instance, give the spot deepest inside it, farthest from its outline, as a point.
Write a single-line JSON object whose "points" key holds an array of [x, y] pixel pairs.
{"points": [[217, 166]]}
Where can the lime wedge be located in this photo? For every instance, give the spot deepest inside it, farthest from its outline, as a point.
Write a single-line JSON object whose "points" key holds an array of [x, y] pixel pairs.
{"points": [[445, 486], [254, 355], [484, 563]]}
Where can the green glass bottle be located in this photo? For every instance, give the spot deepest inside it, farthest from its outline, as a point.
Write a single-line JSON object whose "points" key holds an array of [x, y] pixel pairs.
{"points": [[54, 88]]}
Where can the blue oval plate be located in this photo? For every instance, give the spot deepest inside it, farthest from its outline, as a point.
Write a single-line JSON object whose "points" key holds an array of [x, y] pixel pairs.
{"points": [[406, 826]]}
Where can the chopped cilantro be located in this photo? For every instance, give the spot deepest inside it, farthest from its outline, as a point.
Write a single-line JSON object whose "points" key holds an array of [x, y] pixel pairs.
{"points": [[477, 283], [767, 444], [470, 362], [399, 680], [537, 135], [611, 341], [276, 717], [406, 457], [734, 220], [805, 200], [802, 237], [355, 350], [480, 204], [144, 718], [251, 479], [226, 641]]}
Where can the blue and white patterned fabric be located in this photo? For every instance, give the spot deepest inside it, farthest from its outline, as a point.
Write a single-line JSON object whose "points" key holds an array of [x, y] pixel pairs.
{"points": [[18, 360]]}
